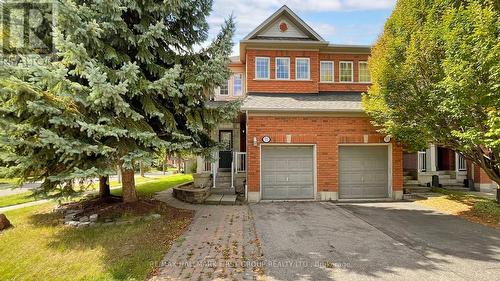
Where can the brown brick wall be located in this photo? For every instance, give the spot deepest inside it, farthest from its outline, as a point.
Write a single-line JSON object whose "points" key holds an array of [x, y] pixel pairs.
{"points": [[326, 133], [298, 86]]}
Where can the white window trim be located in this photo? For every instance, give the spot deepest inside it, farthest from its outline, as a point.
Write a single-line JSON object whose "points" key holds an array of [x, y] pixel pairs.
{"points": [[309, 68], [276, 68], [228, 89], [240, 93], [352, 72], [333, 71], [268, 68], [359, 73]]}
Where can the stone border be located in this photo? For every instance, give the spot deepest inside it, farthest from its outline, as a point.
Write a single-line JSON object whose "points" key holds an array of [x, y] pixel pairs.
{"points": [[194, 196]]}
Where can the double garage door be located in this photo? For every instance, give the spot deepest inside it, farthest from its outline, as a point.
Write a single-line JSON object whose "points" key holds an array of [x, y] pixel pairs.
{"points": [[288, 172]]}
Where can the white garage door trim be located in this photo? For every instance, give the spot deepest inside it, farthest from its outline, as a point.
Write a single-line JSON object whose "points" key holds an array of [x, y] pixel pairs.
{"points": [[315, 175], [389, 164]]}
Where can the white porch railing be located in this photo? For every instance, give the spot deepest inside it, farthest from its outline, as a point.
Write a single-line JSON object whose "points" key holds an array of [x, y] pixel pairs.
{"points": [[207, 165], [240, 160], [460, 163], [422, 161]]}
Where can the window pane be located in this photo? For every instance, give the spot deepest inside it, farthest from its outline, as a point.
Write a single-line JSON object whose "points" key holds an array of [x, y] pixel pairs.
{"points": [[326, 71], [282, 68], [302, 69], [364, 73], [224, 89], [238, 84], [262, 68], [346, 72]]}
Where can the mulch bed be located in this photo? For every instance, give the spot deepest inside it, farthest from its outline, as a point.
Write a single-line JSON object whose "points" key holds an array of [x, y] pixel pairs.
{"points": [[114, 207]]}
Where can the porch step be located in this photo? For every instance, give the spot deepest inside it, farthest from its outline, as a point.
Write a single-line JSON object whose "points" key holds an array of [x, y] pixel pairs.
{"points": [[221, 199], [411, 182], [411, 189], [213, 199], [222, 191], [408, 177]]}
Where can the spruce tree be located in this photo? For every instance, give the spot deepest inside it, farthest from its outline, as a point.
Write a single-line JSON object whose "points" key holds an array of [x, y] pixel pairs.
{"points": [[129, 79]]}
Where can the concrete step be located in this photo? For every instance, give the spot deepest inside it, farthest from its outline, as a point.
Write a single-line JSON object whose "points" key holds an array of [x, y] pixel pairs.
{"points": [[213, 199], [408, 177], [410, 189], [228, 199], [456, 188], [222, 190], [221, 199], [411, 182]]}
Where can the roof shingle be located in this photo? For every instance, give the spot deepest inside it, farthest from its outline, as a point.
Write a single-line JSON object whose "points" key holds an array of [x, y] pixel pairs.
{"points": [[322, 102]]}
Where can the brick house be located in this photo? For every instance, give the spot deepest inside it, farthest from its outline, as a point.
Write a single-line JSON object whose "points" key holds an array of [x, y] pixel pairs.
{"points": [[302, 133]]}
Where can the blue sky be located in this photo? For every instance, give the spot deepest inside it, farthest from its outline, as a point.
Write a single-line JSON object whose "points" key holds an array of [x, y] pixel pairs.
{"points": [[338, 21]]}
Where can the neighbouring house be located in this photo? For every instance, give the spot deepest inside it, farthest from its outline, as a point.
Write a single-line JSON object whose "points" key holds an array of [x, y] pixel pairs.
{"points": [[451, 168], [301, 132]]}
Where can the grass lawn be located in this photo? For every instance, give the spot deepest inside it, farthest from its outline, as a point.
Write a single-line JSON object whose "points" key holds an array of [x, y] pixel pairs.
{"points": [[470, 207], [15, 199], [39, 247], [144, 185]]}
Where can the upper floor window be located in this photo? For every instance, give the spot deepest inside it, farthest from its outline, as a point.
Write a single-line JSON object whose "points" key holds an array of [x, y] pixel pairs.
{"points": [[283, 68], [326, 71], [224, 89], [364, 73], [261, 68], [302, 69], [346, 71], [238, 84]]}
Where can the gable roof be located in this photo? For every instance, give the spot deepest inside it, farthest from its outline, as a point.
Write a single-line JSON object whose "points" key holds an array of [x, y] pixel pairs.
{"points": [[301, 30]]}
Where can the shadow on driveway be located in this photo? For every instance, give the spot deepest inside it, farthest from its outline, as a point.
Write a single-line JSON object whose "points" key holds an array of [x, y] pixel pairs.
{"points": [[386, 241]]}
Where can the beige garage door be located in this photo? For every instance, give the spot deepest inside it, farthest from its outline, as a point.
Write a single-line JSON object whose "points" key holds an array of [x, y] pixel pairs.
{"points": [[287, 172], [363, 172]]}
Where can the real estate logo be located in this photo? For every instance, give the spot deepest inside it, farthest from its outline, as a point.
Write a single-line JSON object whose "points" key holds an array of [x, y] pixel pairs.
{"points": [[27, 28]]}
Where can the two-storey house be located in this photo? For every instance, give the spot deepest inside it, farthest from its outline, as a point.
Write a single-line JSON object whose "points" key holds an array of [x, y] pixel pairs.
{"points": [[302, 133]]}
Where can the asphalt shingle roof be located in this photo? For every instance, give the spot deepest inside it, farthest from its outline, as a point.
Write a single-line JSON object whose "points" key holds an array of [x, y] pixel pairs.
{"points": [[322, 102]]}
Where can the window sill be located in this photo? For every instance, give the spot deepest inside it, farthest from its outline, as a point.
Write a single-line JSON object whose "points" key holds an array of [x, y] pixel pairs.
{"points": [[284, 80]]}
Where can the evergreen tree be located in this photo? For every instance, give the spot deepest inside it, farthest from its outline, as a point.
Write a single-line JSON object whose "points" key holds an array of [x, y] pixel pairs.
{"points": [[127, 81]]}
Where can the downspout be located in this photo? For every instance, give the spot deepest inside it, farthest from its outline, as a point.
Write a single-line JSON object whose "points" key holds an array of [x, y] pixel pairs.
{"points": [[246, 158]]}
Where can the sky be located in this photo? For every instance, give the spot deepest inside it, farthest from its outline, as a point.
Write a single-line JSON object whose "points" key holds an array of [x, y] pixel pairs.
{"points": [[338, 21]]}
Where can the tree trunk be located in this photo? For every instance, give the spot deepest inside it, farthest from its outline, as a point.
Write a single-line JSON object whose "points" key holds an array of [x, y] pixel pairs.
{"points": [[119, 173], [128, 186], [104, 191], [178, 165], [141, 168]]}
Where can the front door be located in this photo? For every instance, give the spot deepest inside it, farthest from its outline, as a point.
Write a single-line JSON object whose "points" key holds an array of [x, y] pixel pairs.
{"points": [[225, 152]]}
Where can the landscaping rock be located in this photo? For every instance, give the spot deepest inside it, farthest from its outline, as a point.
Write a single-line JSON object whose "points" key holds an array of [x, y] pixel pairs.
{"points": [[155, 216], [93, 218], [4, 222], [71, 223], [83, 224], [84, 219], [69, 217], [108, 220]]}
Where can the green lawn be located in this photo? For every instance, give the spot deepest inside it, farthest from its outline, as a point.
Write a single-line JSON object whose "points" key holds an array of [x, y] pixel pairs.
{"points": [[15, 199], [144, 185], [40, 248]]}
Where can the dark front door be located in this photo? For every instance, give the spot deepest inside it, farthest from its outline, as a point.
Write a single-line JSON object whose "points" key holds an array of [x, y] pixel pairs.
{"points": [[225, 152]]}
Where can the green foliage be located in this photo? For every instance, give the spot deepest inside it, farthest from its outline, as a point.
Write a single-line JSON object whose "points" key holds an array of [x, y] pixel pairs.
{"points": [[128, 80], [436, 78]]}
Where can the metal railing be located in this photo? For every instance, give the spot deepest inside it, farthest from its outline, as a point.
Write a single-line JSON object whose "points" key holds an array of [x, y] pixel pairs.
{"points": [[460, 162], [207, 166], [240, 162], [422, 161]]}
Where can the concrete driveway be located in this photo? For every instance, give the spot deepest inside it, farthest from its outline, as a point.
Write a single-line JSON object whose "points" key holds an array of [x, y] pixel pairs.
{"points": [[368, 241]]}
